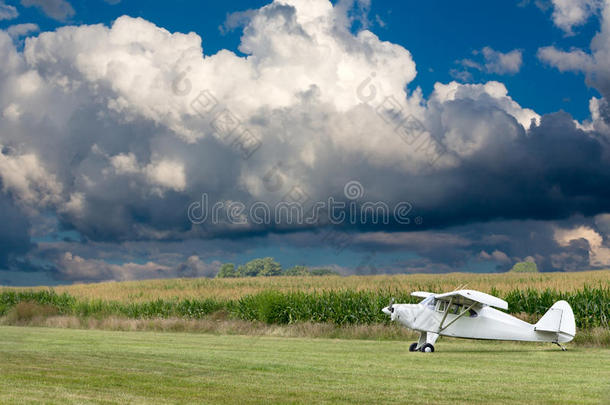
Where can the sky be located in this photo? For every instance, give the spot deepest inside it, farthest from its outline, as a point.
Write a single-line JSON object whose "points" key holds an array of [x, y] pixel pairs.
{"points": [[153, 139]]}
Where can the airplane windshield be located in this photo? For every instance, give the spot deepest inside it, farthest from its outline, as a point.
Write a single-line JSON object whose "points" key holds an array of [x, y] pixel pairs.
{"points": [[429, 301]]}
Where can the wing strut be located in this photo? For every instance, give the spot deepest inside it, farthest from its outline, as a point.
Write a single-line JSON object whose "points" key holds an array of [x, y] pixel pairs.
{"points": [[441, 327]]}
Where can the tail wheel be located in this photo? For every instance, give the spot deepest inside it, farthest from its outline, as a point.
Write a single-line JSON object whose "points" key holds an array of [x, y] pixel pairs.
{"points": [[427, 348], [413, 347]]}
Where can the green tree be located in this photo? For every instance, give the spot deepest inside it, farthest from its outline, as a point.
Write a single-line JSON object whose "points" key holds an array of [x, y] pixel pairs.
{"points": [[227, 270], [525, 267], [270, 268], [260, 267], [323, 272], [241, 271], [252, 268]]}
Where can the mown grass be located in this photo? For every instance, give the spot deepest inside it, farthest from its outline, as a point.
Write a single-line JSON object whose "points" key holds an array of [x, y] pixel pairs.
{"points": [[229, 288], [77, 366]]}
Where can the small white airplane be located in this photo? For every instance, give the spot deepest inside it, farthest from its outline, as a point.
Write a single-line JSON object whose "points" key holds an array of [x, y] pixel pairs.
{"points": [[470, 314]]}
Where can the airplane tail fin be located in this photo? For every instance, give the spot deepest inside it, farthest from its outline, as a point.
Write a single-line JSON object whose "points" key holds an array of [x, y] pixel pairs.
{"points": [[559, 319]]}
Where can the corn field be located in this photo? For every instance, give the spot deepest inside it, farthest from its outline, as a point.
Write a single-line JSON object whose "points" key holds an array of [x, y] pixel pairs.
{"points": [[591, 305], [235, 288]]}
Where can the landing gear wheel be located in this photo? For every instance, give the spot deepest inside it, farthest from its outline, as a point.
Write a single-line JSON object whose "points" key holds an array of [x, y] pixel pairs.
{"points": [[413, 347], [427, 348]]}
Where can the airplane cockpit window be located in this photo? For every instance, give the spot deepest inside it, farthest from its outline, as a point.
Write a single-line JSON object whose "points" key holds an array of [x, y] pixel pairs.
{"points": [[441, 306], [473, 313]]}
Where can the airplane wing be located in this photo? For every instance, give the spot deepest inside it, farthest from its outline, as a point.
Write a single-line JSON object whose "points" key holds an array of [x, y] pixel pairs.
{"points": [[421, 294], [471, 296]]}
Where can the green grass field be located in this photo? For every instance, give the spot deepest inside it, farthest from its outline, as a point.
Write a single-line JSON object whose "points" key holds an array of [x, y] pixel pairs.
{"points": [[66, 365]]}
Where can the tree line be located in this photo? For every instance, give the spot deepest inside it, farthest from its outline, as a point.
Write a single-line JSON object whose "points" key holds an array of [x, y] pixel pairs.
{"points": [[267, 267]]}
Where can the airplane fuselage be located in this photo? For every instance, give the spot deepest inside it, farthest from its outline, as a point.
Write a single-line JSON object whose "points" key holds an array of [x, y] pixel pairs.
{"points": [[483, 322]]}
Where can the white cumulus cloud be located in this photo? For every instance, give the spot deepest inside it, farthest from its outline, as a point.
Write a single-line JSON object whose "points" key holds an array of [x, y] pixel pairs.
{"points": [[78, 269], [25, 177], [7, 12], [502, 63], [599, 254], [19, 30], [57, 9], [595, 64], [568, 14]]}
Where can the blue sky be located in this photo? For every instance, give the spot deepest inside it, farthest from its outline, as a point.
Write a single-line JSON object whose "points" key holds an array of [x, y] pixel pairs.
{"points": [[100, 161]]}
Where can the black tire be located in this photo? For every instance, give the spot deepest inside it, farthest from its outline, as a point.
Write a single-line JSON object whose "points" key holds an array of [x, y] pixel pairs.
{"points": [[413, 347], [427, 348]]}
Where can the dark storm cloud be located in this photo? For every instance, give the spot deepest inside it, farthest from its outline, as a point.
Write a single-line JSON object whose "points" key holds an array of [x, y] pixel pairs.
{"points": [[553, 171], [14, 237], [494, 245]]}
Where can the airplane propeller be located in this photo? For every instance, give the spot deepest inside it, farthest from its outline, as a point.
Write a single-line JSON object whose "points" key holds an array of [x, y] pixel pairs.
{"points": [[389, 310]]}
